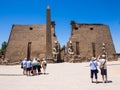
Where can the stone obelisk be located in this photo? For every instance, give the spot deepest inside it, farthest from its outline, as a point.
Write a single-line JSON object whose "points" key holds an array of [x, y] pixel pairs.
{"points": [[48, 35]]}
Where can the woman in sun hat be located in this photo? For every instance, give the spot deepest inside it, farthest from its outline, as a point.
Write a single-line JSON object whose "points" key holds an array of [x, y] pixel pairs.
{"points": [[93, 69]]}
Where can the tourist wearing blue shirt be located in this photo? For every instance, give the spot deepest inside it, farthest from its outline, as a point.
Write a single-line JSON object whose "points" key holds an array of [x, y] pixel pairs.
{"points": [[93, 69]]}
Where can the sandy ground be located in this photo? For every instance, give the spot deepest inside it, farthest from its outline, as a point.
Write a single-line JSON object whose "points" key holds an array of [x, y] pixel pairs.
{"points": [[61, 76]]}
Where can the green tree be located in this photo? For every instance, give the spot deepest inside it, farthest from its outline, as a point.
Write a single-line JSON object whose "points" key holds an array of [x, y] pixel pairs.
{"points": [[3, 48]]}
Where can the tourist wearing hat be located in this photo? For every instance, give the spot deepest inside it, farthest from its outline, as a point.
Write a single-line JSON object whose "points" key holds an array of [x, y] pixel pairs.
{"points": [[103, 67], [93, 69]]}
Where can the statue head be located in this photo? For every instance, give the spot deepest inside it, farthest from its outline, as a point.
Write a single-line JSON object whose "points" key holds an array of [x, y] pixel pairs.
{"points": [[103, 44], [70, 42]]}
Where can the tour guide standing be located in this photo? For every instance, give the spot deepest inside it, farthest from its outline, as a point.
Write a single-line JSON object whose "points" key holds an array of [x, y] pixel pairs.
{"points": [[93, 69]]}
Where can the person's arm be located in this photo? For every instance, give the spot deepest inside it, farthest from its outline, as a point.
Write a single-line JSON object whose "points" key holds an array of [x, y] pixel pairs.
{"points": [[98, 58]]}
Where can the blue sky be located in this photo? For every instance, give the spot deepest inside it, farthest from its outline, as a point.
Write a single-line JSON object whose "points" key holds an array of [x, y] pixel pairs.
{"points": [[62, 12]]}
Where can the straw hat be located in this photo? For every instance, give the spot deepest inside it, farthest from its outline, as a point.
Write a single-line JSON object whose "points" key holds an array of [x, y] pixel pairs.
{"points": [[92, 58]]}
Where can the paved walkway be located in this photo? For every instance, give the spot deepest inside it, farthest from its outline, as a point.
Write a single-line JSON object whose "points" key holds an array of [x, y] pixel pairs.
{"points": [[62, 76]]}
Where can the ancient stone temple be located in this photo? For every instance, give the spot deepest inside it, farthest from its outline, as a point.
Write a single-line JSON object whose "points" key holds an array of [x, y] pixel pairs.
{"points": [[32, 41], [89, 40], [40, 41]]}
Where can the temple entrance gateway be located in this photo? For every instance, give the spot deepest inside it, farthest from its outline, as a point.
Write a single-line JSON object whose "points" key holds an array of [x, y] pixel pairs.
{"points": [[40, 41]]}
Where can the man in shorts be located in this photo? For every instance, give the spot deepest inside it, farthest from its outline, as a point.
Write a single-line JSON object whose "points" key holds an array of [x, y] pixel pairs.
{"points": [[23, 66], [28, 66], [103, 62]]}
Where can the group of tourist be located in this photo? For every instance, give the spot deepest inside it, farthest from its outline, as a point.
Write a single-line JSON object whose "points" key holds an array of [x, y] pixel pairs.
{"points": [[101, 62], [33, 67]]}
